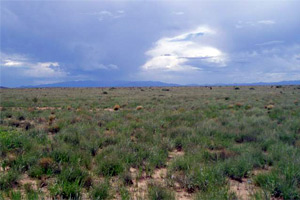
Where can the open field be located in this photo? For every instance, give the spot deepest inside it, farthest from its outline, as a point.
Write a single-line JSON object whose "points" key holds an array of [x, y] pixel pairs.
{"points": [[160, 143]]}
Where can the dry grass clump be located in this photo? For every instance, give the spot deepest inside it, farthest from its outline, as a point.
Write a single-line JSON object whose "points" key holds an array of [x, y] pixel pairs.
{"points": [[230, 106], [54, 129], [31, 109], [269, 107], [117, 107], [238, 104], [51, 119], [139, 107], [46, 162]]}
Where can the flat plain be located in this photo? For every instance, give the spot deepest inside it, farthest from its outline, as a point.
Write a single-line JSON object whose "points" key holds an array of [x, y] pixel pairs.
{"points": [[150, 143]]}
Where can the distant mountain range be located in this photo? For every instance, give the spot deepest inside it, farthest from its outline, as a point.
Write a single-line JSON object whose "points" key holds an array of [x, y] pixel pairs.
{"points": [[106, 84], [146, 84]]}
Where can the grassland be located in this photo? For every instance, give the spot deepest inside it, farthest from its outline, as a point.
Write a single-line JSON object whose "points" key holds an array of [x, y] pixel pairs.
{"points": [[160, 143]]}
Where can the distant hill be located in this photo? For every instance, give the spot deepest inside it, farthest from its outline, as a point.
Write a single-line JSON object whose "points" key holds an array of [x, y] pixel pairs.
{"points": [[270, 83], [105, 84], [250, 84], [147, 84]]}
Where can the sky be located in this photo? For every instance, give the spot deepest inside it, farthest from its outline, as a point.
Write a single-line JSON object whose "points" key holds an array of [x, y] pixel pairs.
{"points": [[184, 42]]}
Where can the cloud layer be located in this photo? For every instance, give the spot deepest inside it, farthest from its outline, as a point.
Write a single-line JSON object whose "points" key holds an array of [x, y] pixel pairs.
{"points": [[174, 53]]}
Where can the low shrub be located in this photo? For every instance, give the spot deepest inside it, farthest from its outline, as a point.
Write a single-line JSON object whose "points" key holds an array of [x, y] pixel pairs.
{"points": [[157, 192], [100, 192]]}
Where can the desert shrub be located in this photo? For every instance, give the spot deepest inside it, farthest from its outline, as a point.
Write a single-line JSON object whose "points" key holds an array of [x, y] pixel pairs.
{"points": [[101, 191], [32, 195], [220, 193], [287, 138], [158, 157], [178, 143], [46, 163], [125, 195], [279, 186], [182, 164], [68, 190], [157, 192], [60, 155], [54, 129], [36, 171], [237, 168], [26, 161], [245, 138], [110, 167], [71, 137], [179, 132], [204, 178], [11, 140], [8, 180], [116, 107], [72, 174], [35, 100], [15, 195], [126, 178], [218, 155]]}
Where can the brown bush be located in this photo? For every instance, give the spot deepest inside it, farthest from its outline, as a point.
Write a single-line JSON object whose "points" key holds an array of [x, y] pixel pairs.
{"points": [[75, 120], [239, 104], [31, 109], [139, 107], [269, 107], [46, 162], [51, 119], [230, 106], [117, 107], [54, 129]]}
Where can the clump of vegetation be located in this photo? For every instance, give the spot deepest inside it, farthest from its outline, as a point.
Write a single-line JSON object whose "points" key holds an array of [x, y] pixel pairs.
{"points": [[100, 191], [157, 192], [116, 107], [35, 100], [8, 180], [139, 107]]}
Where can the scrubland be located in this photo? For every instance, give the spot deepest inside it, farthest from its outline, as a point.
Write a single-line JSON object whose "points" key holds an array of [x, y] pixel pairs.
{"points": [[150, 143]]}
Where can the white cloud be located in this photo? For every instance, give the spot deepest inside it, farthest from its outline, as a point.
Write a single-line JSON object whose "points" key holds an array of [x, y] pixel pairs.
{"points": [[31, 69], [44, 69], [266, 22], [105, 14], [178, 13], [273, 42], [242, 24], [174, 53], [108, 67], [11, 63]]}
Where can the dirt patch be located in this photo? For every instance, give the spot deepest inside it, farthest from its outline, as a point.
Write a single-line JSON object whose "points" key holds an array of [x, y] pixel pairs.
{"points": [[244, 189], [48, 108], [139, 188], [109, 109], [26, 180]]}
